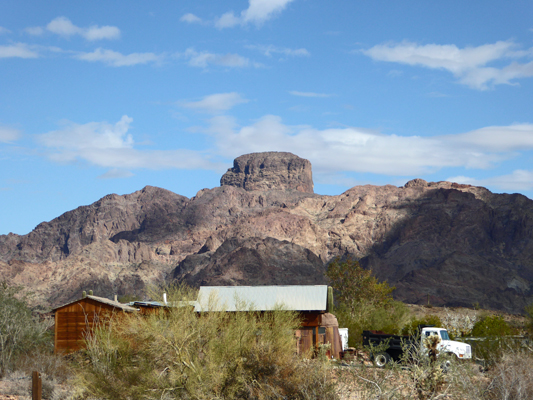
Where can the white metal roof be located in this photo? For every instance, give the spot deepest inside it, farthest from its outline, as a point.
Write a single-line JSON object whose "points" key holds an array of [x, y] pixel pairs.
{"points": [[262, 298]]}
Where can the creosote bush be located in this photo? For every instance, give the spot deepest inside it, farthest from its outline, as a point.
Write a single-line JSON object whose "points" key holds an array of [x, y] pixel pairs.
{"points": [[492, 326], [21, 333], [179, 354], [511, 377], [494, 329]]}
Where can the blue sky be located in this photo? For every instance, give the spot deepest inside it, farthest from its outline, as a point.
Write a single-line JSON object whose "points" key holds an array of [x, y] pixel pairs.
{"points": [[107, 97]]}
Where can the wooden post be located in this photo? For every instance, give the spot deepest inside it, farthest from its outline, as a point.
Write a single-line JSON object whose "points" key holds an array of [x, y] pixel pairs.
{"points": [[37, 386]]}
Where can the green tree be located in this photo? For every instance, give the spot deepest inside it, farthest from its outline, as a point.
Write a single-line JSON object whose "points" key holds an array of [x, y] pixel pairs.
{"points": [[20, 331], [362, 301], [353, 284]]}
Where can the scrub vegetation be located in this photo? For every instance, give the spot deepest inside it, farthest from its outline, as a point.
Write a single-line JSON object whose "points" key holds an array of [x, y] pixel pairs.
{"points": [[176, 354]]}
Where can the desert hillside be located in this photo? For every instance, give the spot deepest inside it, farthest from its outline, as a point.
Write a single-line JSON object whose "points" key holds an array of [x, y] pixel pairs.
{"points": [[457, 244]]}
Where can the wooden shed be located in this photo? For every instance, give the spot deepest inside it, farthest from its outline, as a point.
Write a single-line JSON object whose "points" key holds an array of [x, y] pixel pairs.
{"points": [[310, 301], [75, 320]]}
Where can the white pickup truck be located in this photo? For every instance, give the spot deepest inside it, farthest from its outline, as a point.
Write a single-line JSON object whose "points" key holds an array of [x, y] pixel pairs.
{"points": [[398, 344]]}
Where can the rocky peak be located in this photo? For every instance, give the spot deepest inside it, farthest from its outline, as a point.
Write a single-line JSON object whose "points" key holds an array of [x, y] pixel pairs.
{"points": [[270, 171]]}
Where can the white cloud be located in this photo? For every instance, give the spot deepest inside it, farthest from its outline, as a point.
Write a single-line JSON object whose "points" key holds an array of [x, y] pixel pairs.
{"points": [[34, 30], [99, 33], [216, 102], [64, 27], [204, 59], [111, 146], [364, 150], [8, 135], [518, 180], [20, 50], [270, 49], [94, 135], [116, 173], [258, 12], [4, 30], [468, 64], [117, 59], [227, 20], [191, 19], [309, 94], [514, 137]]}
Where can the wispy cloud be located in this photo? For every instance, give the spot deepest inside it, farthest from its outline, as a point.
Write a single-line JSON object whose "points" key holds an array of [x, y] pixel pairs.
{"points": [[8, 135], [332, 151], [216, 102], [116, 59], [258, 12], [64, 27], [116, 173], [497, 139], [268, 50], [4, 31], [518, 180], [309, 94], [111, 146], [203, 59], [34, 30], [191, 19], [19, 50], [468, 64], [375, 152]]}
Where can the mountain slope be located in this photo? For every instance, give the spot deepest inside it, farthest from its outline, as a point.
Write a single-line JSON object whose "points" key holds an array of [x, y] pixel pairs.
{"points": [[458, 244]]}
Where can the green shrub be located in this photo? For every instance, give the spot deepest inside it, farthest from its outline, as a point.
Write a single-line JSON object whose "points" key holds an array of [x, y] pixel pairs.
{"points": [[494, 329], [492, 326]]}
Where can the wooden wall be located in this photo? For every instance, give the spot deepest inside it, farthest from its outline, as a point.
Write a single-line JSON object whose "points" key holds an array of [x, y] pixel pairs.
{"points": [[76, 320]]}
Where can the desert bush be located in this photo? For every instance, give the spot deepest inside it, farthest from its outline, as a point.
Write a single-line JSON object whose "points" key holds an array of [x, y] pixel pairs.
{"points": [[511, 376], [492, 326], [457, 324], [179, 354], [20, 332], [493, 329], [529, 314]]}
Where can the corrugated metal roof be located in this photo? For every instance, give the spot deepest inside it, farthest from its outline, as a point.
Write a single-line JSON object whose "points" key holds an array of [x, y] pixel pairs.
{"points": [[263, 298], [113, 303]]}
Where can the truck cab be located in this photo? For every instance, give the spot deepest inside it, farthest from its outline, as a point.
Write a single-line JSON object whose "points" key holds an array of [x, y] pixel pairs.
{"points": [[446, 346]]}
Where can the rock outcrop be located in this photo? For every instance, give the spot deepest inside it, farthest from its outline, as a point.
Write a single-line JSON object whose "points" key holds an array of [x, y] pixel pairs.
{"points": [[457, 244], [252, 261], [270, 171]]}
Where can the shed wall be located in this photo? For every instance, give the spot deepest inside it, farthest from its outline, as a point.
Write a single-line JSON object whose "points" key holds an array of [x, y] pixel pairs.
{"points": [[75, 321]]}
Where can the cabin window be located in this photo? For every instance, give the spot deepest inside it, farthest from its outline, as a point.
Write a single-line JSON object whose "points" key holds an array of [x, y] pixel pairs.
{"points": [[321, 330], [444, 335]]}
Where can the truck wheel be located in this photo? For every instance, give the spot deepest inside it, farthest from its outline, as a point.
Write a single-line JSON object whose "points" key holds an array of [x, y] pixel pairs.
{"points": [[381, 359]]}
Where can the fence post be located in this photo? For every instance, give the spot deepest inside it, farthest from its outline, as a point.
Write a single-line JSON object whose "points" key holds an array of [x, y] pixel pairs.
{"points": [[37, 386]]}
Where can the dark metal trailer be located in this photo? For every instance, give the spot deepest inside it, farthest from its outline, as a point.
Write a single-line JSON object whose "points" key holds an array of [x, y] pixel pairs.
{"points": [[396, 346]]}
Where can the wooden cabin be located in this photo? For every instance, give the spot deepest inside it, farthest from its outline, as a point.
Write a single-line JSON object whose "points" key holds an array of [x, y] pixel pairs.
{"points": [[319, 326], [75, 320]]}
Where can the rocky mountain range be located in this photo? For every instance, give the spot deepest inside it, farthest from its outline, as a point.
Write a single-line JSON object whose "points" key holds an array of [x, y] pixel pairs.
{"points": [[453, 244]]}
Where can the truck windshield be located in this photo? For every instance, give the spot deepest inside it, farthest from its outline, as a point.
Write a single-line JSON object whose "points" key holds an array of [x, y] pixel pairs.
{"points": [[444, 335]]}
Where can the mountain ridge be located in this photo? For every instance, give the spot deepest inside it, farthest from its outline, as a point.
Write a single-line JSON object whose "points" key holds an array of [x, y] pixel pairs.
{"points": [[457, 244]]}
